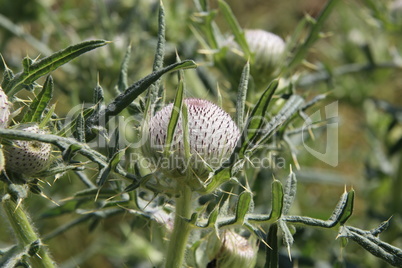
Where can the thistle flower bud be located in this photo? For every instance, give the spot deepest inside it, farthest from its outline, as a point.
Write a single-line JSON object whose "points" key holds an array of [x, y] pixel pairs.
{"points": [[4, 109], [27, 157], [232, 250], [396, 12], [212, 138], [267, 51]]}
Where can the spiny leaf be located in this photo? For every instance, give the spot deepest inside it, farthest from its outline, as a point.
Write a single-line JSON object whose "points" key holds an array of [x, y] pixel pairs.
{"points": [[381, 228], [103, 175], [272, 254], [112, 164], [114, 144], [160, 47], [213, 216], [243, 206], [186, 132], [257, 116], [235, 27], [70, 151], [67, 127], [138, 183], [26, 64], [32, 71], [339, 208], [67, 207], [116, 158], [37, 107], [174, 118], [348, 210], [154, 90], [8, 74], [79, 133], [122, 82], [289, 110], [48, 117], [99, 95], [221, 176], [129, 95], [287, 236], [290, 192], [241, 96], [277, 200], [260, 234], [313, 34]]}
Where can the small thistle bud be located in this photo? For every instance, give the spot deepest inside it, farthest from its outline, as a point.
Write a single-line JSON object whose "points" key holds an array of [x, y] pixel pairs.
{"points": [[212, 137], [396, 12], [267, 51], [231, 250], [27, 157], [4, 109]]}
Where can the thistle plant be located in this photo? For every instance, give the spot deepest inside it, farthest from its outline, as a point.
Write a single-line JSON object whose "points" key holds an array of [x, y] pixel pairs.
{"points": [[163, 179]]}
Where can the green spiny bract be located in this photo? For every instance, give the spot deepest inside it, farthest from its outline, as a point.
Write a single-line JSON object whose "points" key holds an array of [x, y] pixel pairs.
{"points": [[212, 137], [27, 157], [267, 51]]}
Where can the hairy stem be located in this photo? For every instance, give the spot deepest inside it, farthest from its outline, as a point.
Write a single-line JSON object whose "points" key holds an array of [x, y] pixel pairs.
{"points": [[26, 235], [181, 229]]}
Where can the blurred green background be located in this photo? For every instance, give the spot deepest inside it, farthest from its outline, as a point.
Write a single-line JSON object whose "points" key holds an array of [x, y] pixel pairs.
{"points": [[370, 111]]}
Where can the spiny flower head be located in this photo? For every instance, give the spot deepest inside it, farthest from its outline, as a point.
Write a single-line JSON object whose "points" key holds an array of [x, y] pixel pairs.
{"points": [[212, 137], [232, 250], [267, 49], [27, 157]]}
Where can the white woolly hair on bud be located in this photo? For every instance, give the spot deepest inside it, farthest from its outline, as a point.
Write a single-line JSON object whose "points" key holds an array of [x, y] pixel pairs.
{"points": [[212, 137], [267, 52], [4, 109], [231, 250]]}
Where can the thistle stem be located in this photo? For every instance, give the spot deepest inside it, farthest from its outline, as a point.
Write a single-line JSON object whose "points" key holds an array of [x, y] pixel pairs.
{"points": [[25, 234], [181, 229]]}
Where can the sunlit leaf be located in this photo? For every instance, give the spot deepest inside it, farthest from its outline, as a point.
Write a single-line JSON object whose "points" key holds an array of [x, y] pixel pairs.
{"points": [[243, 206], [235, 27], [277, 200], [257, 116], [241, 96], [40, 103], [34, 70]]}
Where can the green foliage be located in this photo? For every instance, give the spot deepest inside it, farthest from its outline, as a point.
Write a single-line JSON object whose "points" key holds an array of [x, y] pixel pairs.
{"points": [[33, 70], [101, 196], [37, 107]]}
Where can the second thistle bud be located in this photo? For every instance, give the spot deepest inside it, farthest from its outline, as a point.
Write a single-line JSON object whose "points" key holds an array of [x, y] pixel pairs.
{"points": [[27, 157], [267, 52], [231, 250], [212, 137]]}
